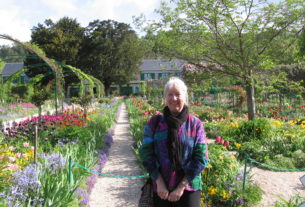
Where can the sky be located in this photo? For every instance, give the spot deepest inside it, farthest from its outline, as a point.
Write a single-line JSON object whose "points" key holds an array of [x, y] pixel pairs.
{"points": [[18, 17]]}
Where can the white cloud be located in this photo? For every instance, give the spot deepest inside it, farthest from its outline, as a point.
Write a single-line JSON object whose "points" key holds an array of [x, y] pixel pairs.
{"points": [[11, 24], [18, 17]]}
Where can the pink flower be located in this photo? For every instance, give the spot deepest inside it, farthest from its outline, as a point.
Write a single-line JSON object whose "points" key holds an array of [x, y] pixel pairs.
{"points": [[18, 155], [32, 149], [226, 143], [222, 141], [24, 155], [11, 148], [218, 139], [13, 167], [26, 144], [11, 159]]}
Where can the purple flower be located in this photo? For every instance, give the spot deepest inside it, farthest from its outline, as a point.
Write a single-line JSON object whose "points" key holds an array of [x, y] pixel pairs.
{"points": [[84, 196], [24, 187], [54, 162], [240, 202]]}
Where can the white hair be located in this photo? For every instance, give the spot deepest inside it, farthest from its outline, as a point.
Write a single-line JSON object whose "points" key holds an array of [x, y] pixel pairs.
{"points": [[180, 85]]}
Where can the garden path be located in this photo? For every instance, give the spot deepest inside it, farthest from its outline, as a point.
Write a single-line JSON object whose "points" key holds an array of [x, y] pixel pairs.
{"points": [[273, 184], [115, 192]]}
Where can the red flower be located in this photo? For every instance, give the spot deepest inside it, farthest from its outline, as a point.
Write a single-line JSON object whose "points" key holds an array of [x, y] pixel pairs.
{"points": [[226, 143], [218, 139]]}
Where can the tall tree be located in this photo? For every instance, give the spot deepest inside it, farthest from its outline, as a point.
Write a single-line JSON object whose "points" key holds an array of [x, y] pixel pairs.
{"points": [[302, 45], [243, 37], [61, 41], [112, 52]]}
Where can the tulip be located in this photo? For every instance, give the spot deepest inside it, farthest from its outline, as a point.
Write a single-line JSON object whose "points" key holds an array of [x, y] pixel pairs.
{"points": [[226, 143], [218, 139], [18, 155], [11, 148], [222, 141]]}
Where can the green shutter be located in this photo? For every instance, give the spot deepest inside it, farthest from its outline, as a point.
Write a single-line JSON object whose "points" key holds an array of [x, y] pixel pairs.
{"points": [[142, 76], [152, 75]]}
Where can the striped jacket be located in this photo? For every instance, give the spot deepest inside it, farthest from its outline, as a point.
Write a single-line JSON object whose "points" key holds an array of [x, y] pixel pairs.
{"points": [[155, 157]]}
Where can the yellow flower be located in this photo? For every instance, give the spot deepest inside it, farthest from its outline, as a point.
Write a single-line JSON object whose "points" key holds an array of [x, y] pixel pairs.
{"points": [[212, 191], [232, 157], [221, 158], [237, 145], [234, 125], [225, 195], [209, 166], [232, 165]]}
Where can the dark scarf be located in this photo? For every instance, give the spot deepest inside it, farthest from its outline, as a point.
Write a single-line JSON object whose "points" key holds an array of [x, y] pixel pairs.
{"points": [[174, 146]]}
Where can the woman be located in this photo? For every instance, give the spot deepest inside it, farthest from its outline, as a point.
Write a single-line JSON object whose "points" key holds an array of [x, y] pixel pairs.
{"points": [[174, 150]]}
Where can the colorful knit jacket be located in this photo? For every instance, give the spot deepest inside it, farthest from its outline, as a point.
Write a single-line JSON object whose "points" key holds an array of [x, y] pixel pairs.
{"points": [[155, 157]]}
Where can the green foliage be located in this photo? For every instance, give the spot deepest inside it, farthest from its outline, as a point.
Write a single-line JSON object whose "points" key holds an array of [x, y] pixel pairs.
{"points": [[295, 201], [105, 100], [39, 97], [111, 53], [2, 64], [71, 133], [302, 45], [60, 40], [223, 181], [217, 32], [84, 100], [21, 91], [253, 129], [10, 53]]}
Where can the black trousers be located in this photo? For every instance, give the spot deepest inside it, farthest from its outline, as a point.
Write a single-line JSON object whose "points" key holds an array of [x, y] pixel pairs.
{"points": [[188, 199]]}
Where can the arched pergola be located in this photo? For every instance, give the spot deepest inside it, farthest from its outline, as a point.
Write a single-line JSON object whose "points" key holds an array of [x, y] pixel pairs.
{"points": [[57, 69]]}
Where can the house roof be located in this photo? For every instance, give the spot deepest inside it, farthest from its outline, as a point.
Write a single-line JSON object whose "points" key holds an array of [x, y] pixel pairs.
{"points": [[11, 68], [160, 65]]}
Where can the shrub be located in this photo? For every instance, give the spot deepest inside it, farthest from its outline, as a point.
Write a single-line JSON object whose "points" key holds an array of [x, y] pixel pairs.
{"points": [[223, 181], [253, 129]]}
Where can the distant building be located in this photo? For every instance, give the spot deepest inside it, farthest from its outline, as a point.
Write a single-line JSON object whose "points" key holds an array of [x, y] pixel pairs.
{"points": [[151, 69], [11, 68], [158, 69]]}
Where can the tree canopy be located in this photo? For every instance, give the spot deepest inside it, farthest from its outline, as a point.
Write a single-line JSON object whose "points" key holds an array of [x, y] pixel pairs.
{"points": [[241, 37], [61, 40], [112, 52]]}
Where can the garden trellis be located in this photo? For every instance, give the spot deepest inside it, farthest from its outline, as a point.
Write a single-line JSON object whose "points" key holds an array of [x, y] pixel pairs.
{"points": [[57, 69], [59, 96]]}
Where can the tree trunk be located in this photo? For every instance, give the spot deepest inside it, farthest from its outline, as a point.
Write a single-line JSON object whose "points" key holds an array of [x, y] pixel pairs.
{"points": [[250, 99], [107, 90], [39, 113]]}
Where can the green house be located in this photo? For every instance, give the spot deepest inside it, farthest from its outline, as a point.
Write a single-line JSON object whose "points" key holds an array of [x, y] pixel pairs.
{"points": [[11, 68], [157, 69], [150, 69]]}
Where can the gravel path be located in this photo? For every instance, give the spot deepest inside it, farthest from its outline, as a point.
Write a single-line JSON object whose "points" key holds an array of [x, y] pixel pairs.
{"points": [[115, 192], [273, 184]]}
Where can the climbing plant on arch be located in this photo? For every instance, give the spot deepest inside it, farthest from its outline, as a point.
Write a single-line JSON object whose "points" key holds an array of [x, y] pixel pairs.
{"points": [[57, 68], [59, 95], [92, 81]]}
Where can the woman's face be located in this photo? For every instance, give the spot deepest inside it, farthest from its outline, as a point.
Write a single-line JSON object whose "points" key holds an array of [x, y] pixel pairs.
{"points": [[174, 100]]}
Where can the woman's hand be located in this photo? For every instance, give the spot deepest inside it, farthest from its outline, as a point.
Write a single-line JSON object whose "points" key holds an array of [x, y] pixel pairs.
{"points": [[176, 194], [161, 188]]}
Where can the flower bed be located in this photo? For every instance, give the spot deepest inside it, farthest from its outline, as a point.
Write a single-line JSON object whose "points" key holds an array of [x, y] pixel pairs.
{"points": [[71, 134]]}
